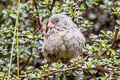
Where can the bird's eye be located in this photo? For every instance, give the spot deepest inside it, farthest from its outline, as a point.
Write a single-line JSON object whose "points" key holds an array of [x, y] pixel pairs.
{"points": [[57, 21]]}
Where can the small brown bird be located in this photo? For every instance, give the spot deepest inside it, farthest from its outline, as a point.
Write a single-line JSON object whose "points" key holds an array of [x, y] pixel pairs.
{"points": [[63, 39]]}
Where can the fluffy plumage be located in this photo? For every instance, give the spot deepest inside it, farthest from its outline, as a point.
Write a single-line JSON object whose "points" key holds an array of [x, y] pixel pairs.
{"points": [[63, 41]]}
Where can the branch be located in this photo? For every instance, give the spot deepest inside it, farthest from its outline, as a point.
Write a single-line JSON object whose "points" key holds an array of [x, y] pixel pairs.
{"points": [[6, 4], [115, 37], [38, 21], [99, 68], [107, 71], [53, 72], [41, 25], [25, 64], [79, 2], [113, 41], [52, 5]]}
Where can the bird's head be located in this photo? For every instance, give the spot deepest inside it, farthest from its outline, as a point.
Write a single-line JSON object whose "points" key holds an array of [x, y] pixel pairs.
{"points": [[58, 20]]}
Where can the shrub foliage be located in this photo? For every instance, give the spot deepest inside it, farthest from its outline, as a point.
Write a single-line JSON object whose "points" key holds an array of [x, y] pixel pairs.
{"points": [[21, 39]]}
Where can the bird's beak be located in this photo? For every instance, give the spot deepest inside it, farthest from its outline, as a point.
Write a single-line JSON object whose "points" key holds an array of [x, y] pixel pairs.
{"points": [[50, 25]]}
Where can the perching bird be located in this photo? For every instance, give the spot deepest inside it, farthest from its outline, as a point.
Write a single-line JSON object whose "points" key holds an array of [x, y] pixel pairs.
{"points": [[63, 39]]}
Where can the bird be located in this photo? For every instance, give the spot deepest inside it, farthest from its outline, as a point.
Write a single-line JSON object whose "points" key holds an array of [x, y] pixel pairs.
{"points": [[63, 39]]}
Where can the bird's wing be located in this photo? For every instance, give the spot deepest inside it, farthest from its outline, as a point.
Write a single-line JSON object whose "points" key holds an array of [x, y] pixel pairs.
{"points": [[75, 42]]}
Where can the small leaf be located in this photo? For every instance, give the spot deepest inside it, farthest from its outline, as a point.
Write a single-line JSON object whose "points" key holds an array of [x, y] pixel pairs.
{"points": [[118, 60], [13, 16], [118, 22], [1, 74], [108, 53], [89, 64], [111, 51], [31, 36]]}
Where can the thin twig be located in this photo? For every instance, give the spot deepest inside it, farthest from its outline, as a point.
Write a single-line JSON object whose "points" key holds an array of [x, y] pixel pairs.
{"points": [[26, 63], [115, 37], [52, 5], [38, 21], [79, 2], [40, 24], [113, 41], [17, 37], [6, 3], [53, 72], [16, 30]]}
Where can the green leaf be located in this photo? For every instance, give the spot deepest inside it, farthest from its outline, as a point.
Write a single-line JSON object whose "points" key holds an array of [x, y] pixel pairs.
{"points": [[118, 22], [31, 36], [1, 74]]}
